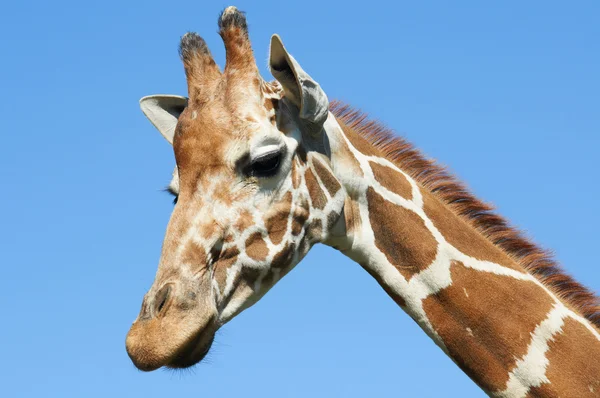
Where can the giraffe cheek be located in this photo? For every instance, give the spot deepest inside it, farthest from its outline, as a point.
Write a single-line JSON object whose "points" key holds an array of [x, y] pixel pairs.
{"points": [[222, 268], [298, 220], [194, 255], [277, 227], [244, 221], [283, 258], [256, 247], [276, 221]]}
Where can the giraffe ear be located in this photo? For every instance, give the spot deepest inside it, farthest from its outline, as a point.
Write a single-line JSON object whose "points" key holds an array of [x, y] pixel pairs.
{"points": [[299, 87], [163, 112]]}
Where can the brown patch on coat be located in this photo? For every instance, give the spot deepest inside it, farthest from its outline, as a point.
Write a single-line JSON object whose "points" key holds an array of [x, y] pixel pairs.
{"points": [[352, 216], [221, 192], [488, 328], [401, 235], [316, 229], [269, 104], [392, 180], [194, 254], [299, 216], [327, 178], [462, 236], [283, 258], [332, 219], [256, 247], [357, 141], [228, 257], [376, 139], [276, 220], [573, 364], [251, 275], [317, 196], [207, 229], [244, 221]]}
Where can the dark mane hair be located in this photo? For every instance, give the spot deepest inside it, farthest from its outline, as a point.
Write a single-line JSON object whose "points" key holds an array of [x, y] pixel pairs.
{"points": [[481, 216]]}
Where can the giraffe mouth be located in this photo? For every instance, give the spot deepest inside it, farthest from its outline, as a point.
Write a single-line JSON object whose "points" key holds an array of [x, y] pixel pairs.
{"points": [[193, 351]]}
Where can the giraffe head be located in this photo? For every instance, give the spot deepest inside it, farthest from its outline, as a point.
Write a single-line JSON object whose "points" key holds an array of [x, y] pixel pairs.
{"points": [[254, 191]]}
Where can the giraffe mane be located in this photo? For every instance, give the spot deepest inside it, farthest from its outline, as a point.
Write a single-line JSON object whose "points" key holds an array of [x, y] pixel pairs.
{"points": [[436, 178]]}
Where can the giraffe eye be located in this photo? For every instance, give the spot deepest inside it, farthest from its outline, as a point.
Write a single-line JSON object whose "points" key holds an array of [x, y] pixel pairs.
{"points": [[265, 165]]}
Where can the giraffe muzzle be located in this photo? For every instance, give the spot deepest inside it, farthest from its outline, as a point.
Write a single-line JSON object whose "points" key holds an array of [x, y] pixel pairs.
{"points": [[174, 329]]}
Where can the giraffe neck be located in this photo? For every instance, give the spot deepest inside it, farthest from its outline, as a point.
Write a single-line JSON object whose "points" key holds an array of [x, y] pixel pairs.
{"points": [[505, 329]]}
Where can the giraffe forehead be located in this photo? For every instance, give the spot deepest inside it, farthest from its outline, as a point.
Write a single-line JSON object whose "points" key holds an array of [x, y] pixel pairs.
{"points": [[226, 138], [229, 118]]}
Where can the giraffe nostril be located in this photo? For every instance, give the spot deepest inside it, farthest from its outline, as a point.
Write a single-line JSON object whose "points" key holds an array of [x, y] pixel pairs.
{"points": [[162, 298]]}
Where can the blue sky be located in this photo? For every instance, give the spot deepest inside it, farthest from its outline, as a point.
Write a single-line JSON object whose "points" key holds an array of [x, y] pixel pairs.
{"points": [[506, 94]]}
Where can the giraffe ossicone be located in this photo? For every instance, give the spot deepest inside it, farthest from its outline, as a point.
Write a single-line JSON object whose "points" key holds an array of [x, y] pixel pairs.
{"points": [[265, 170]]}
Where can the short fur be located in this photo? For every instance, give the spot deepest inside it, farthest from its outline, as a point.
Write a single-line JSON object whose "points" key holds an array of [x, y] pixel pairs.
{"points": [[440, 182]]}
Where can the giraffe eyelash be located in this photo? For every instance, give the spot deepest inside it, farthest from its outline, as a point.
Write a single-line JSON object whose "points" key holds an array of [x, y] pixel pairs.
{"points": [[264, 166], [169, 189]]}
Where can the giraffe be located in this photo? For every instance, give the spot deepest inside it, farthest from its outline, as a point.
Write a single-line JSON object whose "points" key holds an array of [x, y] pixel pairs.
{"points": [[266, 170]]}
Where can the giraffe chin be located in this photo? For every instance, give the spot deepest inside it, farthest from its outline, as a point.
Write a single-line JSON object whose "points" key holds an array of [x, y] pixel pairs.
{"points": [[153, 344], [192, 352]]}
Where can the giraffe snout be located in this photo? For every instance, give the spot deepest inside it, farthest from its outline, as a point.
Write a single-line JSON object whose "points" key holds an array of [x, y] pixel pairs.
{"points": [[175, 326]]}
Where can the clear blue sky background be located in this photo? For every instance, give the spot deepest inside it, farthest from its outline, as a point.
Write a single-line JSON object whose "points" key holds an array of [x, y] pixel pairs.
{"points": [[506, 94]]}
